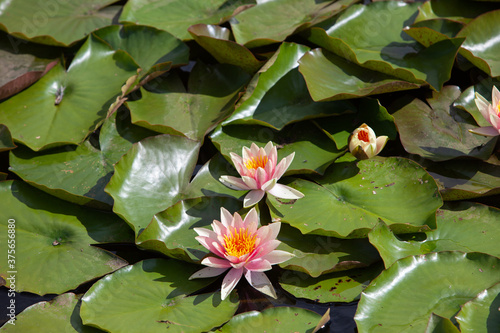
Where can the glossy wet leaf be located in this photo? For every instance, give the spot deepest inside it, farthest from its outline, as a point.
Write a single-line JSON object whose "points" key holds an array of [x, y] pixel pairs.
{"points": [[80, 174], [5, 139], [314, 149], [59, 235], [272, 21], [151, 177], [457, 10], [352, 196], [316, 255], [59, 23], [58, 315], [210, 96], [463, 227], [438, 324], [330, 77], [176, 16], [342, 286], [438, 131], [171, 231], [371, 36], [63, 107], [481, 45], [481, 314], [434, 283], [280, 319], [152, 296], [280, 96], [147, 45], [216, 41]]}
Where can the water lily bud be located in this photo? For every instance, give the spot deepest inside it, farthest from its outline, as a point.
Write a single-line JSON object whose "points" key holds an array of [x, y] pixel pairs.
{"points": [[490, 112], [363, 143]]}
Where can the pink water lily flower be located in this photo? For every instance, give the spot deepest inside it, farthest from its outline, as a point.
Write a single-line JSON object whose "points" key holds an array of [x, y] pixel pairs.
{"points": [[364, 144], [260, 173], [490, 112], [243, 249]]}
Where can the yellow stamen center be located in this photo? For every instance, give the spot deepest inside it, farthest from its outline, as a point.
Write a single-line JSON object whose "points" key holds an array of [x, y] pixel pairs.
{"points": [[254, 163], [363, 136], [239, 242], [498, 109]]}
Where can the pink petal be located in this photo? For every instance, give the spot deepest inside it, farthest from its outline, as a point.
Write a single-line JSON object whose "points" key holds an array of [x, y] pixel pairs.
{"points": [[225, 217], [252, 198], [483, 105], [207, 272], [250, 182], [268, 185], [285, 192], [205, 233], [283, 166], [486, 131], [259, 281], [219, 228], [258, 265], [251, 221], [495, 97], [254, 150], [216, 262], [261, 177], [269, 232], [269, 148], [238, 163], [210, 244], [246, 154], [237, 221], [264, 249], [234, 183], [230, 280], [495, 120], [277, 257]]}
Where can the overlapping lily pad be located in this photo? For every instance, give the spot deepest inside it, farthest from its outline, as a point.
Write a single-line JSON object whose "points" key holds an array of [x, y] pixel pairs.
{"points": [[63, 107], [80, 174], [151, 296], [350, 199], [59, 235], [59, 315], [343, 286], [281, 319], [463, 227], [176, 16], [438, 131], [59, 23], [481, 45], [151, 177], [456, 277], [371, 36], [210, 96], [280, 95], [481, 314], [457, 10]]}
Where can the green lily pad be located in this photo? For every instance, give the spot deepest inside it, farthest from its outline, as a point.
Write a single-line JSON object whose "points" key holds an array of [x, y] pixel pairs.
{"points": [[272, 21], [59, 23], [216, 41], [151, 296], [330, 77], [151, 177], [59, 235], [434, 283], [432, 31], [57, 315], [457, 10], [5, 139], [316, 255], [343, 286], [280, 319], [371, 36], [350, 199], [147, 45], [465, 227], [438, 131], [314, 149], [65, 106], [171, 231], [480, 46], [280, 96], [80, 175], [481, 314], [438, 324], [210, 97], [176, 16]]}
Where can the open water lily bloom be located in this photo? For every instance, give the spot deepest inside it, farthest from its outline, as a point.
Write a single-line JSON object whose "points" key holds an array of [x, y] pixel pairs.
{"points": [[242, 248], [260, 173], [364, 144], [490, 112]]}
